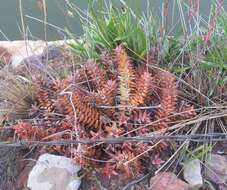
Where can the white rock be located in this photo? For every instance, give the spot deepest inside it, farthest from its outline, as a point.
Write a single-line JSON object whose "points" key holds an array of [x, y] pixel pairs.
{"points": [[192, 173], [19, 50], [53, 172]]}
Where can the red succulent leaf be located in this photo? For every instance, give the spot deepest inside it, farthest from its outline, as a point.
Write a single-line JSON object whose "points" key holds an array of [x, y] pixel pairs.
{"points": [[123, 119], [113, 130], [157, 161], [109, 169]]}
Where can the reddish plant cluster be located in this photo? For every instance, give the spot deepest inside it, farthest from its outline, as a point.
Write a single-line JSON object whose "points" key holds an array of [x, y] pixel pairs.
{"points": [[113, 99], [212, 21]]}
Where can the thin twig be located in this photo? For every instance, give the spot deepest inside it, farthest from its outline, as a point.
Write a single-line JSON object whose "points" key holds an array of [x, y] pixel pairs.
{"points": [[215, 137], [136, 181], [127, 106]]}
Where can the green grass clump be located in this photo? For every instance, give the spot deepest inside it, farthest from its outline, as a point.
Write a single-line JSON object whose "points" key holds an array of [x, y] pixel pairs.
{"points": [[107, 26]]}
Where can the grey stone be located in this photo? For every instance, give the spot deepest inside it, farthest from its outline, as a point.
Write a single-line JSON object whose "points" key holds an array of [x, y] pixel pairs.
{"points": [[192, 173], [216, 169]]}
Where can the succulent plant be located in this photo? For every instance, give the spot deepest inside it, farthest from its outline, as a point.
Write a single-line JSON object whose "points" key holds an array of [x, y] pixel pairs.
{"points": [[101, 100]]}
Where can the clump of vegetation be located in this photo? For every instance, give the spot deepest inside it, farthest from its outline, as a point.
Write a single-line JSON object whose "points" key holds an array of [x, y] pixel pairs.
{"points": [[122, 100], [133, 81]]}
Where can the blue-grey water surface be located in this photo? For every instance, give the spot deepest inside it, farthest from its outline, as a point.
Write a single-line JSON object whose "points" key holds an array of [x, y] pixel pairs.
{"points": [[57, 14]]}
